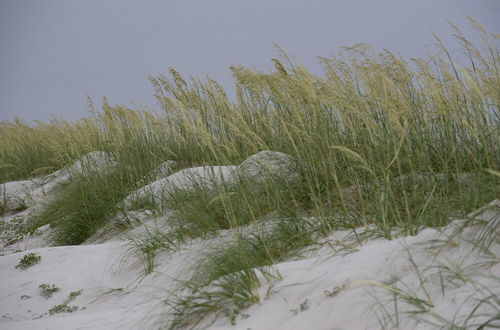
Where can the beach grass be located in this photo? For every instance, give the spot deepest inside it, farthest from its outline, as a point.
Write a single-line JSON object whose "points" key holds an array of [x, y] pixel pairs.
{"points": [[377, 139]]}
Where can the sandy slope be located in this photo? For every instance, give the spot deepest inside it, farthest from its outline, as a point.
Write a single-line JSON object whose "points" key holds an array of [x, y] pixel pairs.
{"points": [[327, 289]]}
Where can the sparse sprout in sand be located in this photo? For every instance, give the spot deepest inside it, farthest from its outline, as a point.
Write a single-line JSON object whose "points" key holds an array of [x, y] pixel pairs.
{"points": [[28, 260]]}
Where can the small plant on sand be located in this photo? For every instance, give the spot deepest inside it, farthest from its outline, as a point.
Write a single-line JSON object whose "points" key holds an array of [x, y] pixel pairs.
{"points": [[28, 260], [64, 307], [47, 290]]}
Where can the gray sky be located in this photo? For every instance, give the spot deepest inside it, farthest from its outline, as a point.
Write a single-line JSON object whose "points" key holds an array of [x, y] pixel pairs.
{"points": [[54, 52]]}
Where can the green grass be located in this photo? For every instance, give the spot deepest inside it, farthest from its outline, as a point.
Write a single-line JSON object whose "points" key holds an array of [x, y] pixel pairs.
{"points": [[31, 150], [62, 308], [65, 307], [427, 200], [206, 210], [149, 244], [82, 207], [90, 200], [226, 278]]}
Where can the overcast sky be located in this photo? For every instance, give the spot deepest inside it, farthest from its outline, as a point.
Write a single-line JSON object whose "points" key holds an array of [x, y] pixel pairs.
{"points": [[54, 52]]}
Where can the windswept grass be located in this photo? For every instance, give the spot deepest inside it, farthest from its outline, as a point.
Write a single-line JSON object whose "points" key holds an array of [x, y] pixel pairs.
{"points": [[28, 150], [90, 199], [206, 210], [83, 206], [226, 278], [377, 140]]}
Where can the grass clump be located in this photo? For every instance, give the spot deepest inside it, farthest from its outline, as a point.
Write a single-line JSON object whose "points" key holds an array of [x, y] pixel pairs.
{"points": [[28, 260], [149, 244], [47, 290], [208, 209], [90, 199], [32, 150], [226, 279], [134, 143], [410, 203], [83, 206], [72, 296]]}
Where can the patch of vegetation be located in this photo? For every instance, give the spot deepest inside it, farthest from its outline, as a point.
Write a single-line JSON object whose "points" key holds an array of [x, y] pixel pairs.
{"points": [[13, 231], [82, 207], [425, 200], [72, 296], [30, 150], [206, 210], [62, 308], [86, 204], [47, 290], [65, 307], [4, 210], [28, 260], [147, 245], [226, 278], [145, 202], [90, 199]]}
